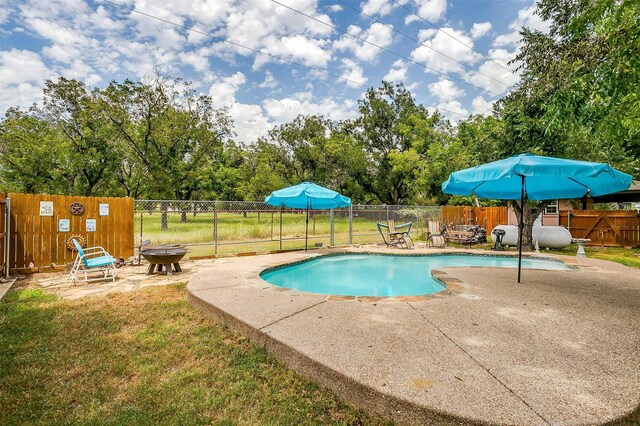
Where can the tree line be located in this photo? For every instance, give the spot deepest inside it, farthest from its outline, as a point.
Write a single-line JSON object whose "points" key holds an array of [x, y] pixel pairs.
{"points": [[578, 98]]}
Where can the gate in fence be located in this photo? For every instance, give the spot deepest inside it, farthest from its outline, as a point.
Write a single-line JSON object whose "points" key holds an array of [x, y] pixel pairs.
{"points": [[225, 227], [612, 228]]}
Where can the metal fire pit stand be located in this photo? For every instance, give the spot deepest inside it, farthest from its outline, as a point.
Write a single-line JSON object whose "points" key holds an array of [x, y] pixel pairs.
{"points": [[167, 257]]}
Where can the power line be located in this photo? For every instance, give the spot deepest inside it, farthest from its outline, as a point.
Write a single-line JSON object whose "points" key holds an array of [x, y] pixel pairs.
{"points": [[133, 10], [453, 37], [422, 43], [383, 48], [193, 30]]}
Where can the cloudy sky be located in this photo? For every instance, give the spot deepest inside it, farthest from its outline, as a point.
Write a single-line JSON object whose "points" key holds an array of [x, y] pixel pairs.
{"points": [[270, 60]]}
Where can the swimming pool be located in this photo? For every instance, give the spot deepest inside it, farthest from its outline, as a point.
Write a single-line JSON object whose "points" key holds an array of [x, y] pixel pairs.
{"points": [[384, 275]]}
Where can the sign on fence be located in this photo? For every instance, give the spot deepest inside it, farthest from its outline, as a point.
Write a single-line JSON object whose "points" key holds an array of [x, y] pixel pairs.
{"points": [[41, 226]]}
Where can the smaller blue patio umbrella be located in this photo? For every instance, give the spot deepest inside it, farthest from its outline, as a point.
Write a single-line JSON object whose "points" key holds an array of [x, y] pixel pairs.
{"points": [[536, 178], [309, 196]]}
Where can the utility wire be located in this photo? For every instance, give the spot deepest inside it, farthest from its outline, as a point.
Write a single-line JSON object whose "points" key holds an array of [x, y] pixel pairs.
{"points": [[422, 43], [408, 9], [133, 10], [193, 30], [383, 48]]}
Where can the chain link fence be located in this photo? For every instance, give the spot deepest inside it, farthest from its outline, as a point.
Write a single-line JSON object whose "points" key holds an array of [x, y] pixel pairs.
{"points": [[226, 227]]}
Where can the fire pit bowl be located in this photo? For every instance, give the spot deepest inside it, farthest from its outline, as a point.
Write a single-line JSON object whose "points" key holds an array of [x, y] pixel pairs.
{"points": [[163, 256]]}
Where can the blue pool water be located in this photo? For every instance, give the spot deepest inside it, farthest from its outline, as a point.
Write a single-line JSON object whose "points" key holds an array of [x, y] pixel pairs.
{"points": [[383, 275]]}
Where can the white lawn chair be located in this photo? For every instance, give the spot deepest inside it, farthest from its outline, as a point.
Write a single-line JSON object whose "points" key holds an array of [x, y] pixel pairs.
{"points": [[434, 234], [90, 260]]}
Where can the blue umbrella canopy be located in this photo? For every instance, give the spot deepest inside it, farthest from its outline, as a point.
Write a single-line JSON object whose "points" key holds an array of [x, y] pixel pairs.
{"points": [[545, 178], [536, 178], [307, 195]]}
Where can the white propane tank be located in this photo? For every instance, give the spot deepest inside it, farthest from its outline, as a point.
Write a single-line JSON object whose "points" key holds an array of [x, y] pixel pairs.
{"points": [[555, 237]]}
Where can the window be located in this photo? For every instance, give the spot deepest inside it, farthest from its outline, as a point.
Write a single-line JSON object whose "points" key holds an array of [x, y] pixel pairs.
{"points": [[552, 208]]}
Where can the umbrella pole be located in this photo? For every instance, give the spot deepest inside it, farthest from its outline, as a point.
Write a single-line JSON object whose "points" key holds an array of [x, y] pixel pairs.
{"points": [[520, 230], [306, 234]]}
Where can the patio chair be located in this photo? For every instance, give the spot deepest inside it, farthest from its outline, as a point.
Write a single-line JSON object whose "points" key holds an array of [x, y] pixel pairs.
{"points": [[396, 236], [90, 260], [434, 235]]}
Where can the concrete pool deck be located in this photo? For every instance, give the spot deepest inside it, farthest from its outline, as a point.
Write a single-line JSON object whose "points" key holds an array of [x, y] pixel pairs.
{"points": [[563, 347]]}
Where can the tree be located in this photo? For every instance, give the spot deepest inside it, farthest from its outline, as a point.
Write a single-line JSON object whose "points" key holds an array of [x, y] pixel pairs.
{"points": [[579, 96], [76, 113], [173, 135], [387, 125], [33, 156], [587, 69]]}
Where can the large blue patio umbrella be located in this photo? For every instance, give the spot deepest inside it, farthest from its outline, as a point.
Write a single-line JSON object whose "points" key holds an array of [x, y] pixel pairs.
{"points": [[309, 196], [536, 178]]}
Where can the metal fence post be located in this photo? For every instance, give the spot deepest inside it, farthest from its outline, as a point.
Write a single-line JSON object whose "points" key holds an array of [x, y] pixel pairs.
{"points": [[350, 224], [215, 228], [331, 242], [7, 237], [280, 227]]}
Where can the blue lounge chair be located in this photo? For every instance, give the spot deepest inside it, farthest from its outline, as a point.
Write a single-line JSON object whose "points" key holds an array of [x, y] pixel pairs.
{"points": [[93, 259]]}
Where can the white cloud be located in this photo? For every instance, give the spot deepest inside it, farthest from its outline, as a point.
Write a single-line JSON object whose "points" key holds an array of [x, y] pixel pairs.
{"points": [[258, 23], [61, 53], [298, 47], [445, 90], [286, 109], [377, 7], [397, 73], [494, 66], [57, 32], [527, 17], [377, 34], [335, 8], [22, 75], [431, 10], [198, 59], [481, 106], [5, 11], [452, 109], [479, 29], [438, 41], [269, 81], [353, 74], [223, 90], [79, 70], [249, 121], [21, 66]]}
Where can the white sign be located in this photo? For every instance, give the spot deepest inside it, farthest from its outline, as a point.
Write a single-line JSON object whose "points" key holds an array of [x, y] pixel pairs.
{"points": [[91, 225], [64, 225], [46, 208], [104, 209]]}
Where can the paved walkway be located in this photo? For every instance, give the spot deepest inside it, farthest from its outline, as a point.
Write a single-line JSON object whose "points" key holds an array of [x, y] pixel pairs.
{"points": [[5, 285], [130, 278], [561, 348]]}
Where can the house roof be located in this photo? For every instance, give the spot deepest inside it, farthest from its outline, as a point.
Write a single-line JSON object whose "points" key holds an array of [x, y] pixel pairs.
{"points": [[630, 195]]}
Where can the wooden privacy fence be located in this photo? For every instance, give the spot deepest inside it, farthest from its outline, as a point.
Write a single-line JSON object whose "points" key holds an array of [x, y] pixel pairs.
{"points": [[612, 228], [487, 217], [41, 225]]}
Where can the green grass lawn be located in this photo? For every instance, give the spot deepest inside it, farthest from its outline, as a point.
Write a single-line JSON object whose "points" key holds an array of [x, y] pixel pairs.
{"points": [[628, 257], [145, 357], [237, 233]]}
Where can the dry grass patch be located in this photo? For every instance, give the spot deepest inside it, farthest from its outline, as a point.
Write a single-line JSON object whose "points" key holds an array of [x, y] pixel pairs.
{"points": [[144, 358]]}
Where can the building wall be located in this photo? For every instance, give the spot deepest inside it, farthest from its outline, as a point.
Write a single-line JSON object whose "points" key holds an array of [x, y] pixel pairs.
{"points": [[547, 219]]}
